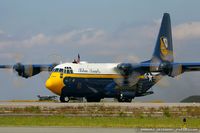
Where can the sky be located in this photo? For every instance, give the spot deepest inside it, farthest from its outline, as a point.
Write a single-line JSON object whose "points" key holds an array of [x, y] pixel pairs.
{"points": [[35, 31]]}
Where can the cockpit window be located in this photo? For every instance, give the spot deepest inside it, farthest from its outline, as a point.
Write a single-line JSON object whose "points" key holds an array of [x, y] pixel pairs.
{"points": [[68, 70], [61, 70], [65, 71], [56, 70], [71, 71]]}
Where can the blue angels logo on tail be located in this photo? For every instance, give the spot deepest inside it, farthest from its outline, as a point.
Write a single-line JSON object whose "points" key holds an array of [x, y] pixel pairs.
{"points": [[164, 46]]}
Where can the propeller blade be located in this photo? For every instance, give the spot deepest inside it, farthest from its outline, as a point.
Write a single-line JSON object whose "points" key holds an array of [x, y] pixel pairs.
{"points": [[129, 77], [133, 79]]}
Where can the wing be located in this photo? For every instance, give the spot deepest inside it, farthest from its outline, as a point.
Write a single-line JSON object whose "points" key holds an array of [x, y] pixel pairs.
{"points": [[29, 70], [171, 69], [187, 67], [131, 72]]}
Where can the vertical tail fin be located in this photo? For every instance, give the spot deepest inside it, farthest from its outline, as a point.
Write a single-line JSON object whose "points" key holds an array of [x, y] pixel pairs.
{"points": [[163, 51]]}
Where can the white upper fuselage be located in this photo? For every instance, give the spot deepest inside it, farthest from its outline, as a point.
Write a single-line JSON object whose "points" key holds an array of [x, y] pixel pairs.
{"points": [[89, 68]]}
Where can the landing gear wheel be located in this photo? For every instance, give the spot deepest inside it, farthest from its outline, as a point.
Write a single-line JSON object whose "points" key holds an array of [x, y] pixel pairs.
{"points": [[123, 100], [64, 99], [93, 99]]}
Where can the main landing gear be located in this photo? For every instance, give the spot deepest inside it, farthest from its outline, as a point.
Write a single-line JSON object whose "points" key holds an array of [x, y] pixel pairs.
{"points": [[127, 98], [64, 99], [123, 100]]}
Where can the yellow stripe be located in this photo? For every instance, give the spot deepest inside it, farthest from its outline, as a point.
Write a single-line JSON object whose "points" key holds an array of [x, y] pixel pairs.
{"points": [[82, 75], [107, 76], [141, 77]]}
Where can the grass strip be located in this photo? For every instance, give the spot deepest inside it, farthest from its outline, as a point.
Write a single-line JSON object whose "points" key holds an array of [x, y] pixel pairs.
{"points": [[148, 122]]}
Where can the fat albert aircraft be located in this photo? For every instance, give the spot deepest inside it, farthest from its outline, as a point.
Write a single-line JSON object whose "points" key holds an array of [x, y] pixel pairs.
{"points": [[123, 81]]}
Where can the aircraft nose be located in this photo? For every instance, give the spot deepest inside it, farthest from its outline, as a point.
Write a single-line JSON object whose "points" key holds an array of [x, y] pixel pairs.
{"points": [[54, 84], [49, 84]]}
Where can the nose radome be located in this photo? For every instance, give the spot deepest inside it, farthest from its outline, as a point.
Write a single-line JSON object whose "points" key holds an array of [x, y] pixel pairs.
{"points": [[55, 85], [49, 84]]}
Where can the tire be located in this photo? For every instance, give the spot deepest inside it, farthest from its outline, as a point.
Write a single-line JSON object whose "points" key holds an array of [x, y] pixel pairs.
{"points": [[64, 100], [124, 100]]}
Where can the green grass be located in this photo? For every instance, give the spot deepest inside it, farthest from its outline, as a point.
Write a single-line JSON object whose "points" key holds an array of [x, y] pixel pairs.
{"points": [[148, 122]]}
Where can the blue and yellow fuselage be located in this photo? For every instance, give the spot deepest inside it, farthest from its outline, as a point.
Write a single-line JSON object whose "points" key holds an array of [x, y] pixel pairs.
{"points": [[91, 79]]}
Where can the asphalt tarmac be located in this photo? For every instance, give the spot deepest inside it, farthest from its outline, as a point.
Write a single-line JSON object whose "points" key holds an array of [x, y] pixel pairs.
{"points": [[93, 130], [64, 130], [57, 105]]}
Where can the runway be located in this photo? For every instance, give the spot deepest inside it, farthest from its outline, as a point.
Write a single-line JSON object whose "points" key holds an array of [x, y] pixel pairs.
{"points": [[102, 109], [105, 104], [64, 130], [92, 130]]}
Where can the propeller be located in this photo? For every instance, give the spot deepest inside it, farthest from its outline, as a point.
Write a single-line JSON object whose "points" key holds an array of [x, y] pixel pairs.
{"points": [[19, 68], [167, 68], [130, 74], [27, 70], [128, 77], [16, 81]]}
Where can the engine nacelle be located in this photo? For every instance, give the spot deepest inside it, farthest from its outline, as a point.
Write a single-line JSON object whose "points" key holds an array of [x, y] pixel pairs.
{"points": [[171, 69], [26, 71], [176, 70], [125, 68]]}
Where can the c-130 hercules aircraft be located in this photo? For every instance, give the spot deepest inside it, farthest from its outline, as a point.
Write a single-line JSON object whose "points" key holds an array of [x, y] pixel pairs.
{"points": [[123, 81]]}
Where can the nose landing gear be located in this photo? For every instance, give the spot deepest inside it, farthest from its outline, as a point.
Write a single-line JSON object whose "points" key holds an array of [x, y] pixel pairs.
{"points": [[125, 97], [64, 99], [123, 100]]}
